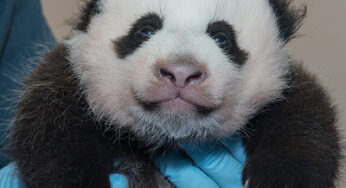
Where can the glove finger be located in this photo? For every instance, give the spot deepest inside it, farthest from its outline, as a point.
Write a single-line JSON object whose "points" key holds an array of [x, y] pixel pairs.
{"points": [[9, 177], [217, 163], [182, 173], [118, 181], [235, 147]]}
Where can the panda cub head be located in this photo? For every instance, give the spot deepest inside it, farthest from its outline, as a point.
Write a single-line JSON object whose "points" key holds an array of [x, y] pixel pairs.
{"points": [[177, 70]]}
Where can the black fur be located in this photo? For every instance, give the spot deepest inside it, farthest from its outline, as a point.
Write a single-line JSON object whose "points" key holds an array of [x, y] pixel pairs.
{"points": [[289, 18], [231, 48], [149, 106], [91, 9], [126, 45], [57, 143], [204, 111], [294, 142]]}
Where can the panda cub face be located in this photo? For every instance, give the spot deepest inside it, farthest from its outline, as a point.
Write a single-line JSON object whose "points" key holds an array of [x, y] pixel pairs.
{"points": [[177, 70]]}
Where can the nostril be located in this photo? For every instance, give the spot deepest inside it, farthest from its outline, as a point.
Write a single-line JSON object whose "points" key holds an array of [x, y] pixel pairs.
{"points": [[166, 74], [194, 77]]}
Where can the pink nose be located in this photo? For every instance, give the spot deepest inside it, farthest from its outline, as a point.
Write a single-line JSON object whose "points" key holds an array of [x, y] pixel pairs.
{"points": [[182, 75]]}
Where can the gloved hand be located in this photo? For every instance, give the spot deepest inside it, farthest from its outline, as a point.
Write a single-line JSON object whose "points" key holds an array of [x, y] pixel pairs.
{"points": [[9, 177], [117, 181], [211, 165]]}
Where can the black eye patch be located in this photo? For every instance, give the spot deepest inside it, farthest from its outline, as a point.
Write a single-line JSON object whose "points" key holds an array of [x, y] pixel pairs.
{"points": [[225, 38], [142, 30]]}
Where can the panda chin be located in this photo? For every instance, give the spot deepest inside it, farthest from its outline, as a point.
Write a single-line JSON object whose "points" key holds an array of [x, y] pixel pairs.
{"points": [[174, 129], [174, 122]]}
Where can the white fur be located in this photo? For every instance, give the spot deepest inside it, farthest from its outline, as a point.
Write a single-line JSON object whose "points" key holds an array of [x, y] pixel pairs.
{"points": [[237, 92]]}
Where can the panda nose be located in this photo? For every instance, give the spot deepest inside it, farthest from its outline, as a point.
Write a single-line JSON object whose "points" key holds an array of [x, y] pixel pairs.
{"points": [[182, 75]]}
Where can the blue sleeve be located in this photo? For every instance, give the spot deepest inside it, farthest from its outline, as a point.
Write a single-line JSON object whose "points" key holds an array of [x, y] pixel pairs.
{"points": [[23, 30]]}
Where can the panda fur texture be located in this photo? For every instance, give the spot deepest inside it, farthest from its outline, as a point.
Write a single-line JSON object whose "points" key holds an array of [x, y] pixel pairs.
{"points": [[139, 77]]}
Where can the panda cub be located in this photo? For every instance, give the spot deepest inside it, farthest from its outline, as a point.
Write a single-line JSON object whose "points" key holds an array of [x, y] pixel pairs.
{"points": [[139, 77]]}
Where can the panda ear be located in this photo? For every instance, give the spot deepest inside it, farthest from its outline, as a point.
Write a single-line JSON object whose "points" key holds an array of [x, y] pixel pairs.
{"points": [[90, 9], [289, 18]]}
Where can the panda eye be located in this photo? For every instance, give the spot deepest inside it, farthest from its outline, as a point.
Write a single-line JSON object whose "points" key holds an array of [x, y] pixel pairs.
{"points": [[225, 37], [146, 32], [141, 31], [221, 38]]}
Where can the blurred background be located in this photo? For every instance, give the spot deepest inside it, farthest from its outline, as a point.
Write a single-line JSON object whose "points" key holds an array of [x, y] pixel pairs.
{"points": [[322, 46]]}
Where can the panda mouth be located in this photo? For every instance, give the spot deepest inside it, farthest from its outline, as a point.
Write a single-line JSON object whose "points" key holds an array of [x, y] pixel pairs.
{"points": [[176, 104]]}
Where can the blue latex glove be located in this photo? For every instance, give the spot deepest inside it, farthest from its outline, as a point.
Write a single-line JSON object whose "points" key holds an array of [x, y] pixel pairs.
{"points": [[117, 181], [211, 165], [9, 177]]}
